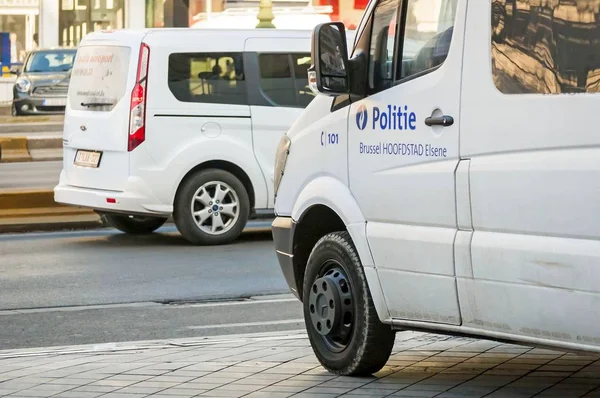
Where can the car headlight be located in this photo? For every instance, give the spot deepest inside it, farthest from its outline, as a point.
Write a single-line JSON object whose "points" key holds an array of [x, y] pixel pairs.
{"points": [[23, 84], [283, 150]]}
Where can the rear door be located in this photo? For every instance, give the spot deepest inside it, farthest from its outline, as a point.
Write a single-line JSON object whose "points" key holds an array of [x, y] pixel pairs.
{"points": [[97, 114], [280, 96]]}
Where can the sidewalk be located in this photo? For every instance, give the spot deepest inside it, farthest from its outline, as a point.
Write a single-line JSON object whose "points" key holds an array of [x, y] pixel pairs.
{"points": [[283, 365]]}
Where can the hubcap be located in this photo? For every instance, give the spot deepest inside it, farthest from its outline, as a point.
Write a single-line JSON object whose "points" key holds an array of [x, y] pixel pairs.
{"points": [[331, 307], [215, 208]]}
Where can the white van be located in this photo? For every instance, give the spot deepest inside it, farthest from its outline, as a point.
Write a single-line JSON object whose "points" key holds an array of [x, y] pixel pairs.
{"points": [[449, 181], [182, 122]]}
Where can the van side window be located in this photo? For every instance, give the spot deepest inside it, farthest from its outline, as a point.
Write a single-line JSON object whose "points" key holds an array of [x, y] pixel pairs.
{"points": [[383, 40], [546, 48], [427, 36], [208, 78], [284, 79]]}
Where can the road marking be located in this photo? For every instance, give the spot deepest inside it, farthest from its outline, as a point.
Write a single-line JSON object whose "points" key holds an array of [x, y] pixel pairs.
{"points": [[246, 324], [240, 301]]}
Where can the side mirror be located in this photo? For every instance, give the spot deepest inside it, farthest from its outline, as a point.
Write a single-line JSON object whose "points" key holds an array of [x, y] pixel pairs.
{"points": [[329, 72], [14, 71]]}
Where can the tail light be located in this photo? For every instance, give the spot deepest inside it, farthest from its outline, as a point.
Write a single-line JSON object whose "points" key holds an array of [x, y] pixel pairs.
{"points": [[137, 115]]}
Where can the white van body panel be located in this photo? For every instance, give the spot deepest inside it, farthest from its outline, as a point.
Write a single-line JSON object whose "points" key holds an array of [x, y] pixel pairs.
{"points": [[534, 183], [333, 193], [313, 160]]}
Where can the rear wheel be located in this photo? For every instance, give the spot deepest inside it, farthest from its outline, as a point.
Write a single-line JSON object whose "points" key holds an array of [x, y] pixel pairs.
{"points": [[342, 324], [212, 208], [135, 225]]}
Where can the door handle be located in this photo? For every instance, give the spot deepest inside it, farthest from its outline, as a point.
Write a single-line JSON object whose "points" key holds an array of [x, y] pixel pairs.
{"points": [[443, 121]]}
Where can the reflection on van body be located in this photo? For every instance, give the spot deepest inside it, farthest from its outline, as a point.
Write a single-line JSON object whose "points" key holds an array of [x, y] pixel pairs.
{"points": [[546, 47]]}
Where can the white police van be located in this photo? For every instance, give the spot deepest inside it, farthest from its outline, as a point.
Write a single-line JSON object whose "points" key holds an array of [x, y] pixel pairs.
{"points": [[448, 180], [182, 122]]}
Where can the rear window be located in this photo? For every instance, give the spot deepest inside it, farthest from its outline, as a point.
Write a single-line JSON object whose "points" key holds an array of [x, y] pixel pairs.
{"points": [[99, 77]]}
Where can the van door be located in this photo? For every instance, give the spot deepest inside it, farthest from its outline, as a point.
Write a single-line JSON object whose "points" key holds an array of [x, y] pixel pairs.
{"points": [[403, 151], [96, 124], [279, 97]]}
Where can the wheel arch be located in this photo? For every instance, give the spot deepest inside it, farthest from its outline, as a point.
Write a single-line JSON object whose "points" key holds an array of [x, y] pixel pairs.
{"points": [[326, 205], [225, 165]]}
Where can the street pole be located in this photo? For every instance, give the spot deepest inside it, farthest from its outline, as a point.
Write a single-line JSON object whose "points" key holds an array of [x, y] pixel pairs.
{"points": [[265, 14]]}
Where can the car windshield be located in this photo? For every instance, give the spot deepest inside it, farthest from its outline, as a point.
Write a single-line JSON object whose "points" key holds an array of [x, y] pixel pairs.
{"points": [[50, 61]]}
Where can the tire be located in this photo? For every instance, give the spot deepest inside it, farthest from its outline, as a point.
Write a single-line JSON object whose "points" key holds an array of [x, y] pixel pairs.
{"points": [[134, 225], [198, 206], [368, 343]]}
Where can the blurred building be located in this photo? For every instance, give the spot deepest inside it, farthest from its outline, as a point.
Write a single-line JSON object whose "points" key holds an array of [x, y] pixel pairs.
{"points": [[51, 23]]}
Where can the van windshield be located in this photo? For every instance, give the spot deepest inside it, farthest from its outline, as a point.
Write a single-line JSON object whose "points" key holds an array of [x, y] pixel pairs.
{"points": [[50, 61], [99, 77]]}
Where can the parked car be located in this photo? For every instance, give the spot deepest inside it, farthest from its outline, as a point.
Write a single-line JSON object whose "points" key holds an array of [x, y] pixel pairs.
{"points": [[43, 82], [182, 122]]}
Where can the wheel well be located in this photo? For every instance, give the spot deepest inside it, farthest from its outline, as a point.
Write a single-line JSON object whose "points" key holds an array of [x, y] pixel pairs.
{"points": [[227, 166], [317, 222]]}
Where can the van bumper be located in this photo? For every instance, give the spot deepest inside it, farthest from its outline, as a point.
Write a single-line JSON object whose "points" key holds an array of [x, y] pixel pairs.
{"points": [[283, 237], [130, 201]]}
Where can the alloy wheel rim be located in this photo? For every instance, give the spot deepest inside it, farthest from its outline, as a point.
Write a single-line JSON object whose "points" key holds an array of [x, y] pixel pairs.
{"points": [[215, 208], [331, 307]]}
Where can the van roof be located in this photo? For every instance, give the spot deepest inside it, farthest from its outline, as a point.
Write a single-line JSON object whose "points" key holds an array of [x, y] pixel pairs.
{"points": [[164, 35], [194, 31]]}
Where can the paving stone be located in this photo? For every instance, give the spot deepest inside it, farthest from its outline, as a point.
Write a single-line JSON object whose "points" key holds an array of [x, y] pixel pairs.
{"points": [[262, 394], [415, 394], [369, 392], [327, 390], [180, 392], [113, 382], [216, 393], [103, 389], [288, 389], [77, 394], [140, 390]]}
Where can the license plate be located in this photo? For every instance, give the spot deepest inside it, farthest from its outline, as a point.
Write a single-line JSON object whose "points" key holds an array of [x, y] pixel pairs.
{"points": [[88, 158], [55, 102]]}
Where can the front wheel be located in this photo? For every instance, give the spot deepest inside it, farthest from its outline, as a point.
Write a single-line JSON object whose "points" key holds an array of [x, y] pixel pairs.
{"points": [[342, 323], [212, 208], [135, 225]]}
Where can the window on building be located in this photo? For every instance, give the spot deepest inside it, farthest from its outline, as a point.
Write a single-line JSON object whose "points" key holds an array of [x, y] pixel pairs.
{"points": [[208, 78], [427, 36], [76, 18], [284, 79], [548, 48]]}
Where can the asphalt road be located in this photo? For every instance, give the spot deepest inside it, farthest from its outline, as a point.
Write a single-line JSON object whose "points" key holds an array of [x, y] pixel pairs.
{"points": [[103, 286], [30, 174]]}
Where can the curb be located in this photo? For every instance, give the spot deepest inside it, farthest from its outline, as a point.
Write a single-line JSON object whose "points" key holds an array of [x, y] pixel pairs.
{"points": [[30, 149], [39, 127], [143, 345], [35, 210], [14, 149]]}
